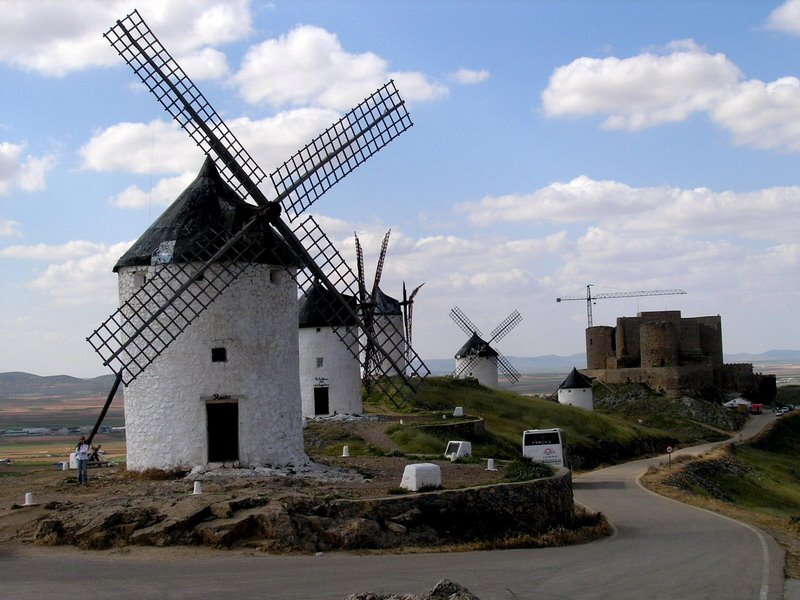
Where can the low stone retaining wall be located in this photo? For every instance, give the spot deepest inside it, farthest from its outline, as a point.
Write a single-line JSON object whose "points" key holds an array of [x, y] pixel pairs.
{"points": [[301, 523], [464, 430], [479, 513]]}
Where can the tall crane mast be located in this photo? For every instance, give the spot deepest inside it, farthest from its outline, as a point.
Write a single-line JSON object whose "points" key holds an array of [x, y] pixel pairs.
{"points": [[588, 298]]}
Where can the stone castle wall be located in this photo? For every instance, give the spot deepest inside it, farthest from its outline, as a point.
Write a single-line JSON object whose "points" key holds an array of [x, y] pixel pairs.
{"points": [[667, 352]]}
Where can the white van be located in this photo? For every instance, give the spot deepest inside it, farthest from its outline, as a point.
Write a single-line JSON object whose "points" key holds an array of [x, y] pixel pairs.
{"points": [[457, 449], [545, 446]]}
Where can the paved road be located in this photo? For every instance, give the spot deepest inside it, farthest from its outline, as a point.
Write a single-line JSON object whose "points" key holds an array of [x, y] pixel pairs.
{"points": [[662, 549]]}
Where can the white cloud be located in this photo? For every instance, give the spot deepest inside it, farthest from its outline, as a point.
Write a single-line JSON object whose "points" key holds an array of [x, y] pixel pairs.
{"points": [[641, 91], [764, 115], [9, 228], [53, 38], [785, 18], [156, 147], [581, 199], [309, 66], [649, 90], [206, 63], [83, 280], [469, 76], [163, 148], [76, 248], [767, 214], [27, 174], [162, 193]]}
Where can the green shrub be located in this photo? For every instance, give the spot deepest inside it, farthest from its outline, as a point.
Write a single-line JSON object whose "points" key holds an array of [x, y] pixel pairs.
{"points": [[520, 469]]}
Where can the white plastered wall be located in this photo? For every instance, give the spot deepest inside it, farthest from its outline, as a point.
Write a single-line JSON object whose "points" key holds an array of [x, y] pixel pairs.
{"points": [[340, 371], [483, 368], [580, 397], [255, 320]]}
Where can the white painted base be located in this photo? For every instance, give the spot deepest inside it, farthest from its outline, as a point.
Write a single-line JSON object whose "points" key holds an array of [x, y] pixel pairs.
{"points": [[255, 320], [580, 397], [484, 369]]}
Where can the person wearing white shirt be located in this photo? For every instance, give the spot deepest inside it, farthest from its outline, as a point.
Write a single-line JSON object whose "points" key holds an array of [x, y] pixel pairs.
{"points": [[82, 456]]}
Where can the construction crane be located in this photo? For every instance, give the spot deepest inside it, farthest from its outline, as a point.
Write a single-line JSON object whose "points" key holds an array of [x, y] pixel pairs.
{"points": [[588, 298]]}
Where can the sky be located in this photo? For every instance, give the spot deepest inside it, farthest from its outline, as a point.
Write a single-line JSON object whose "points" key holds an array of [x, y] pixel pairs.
{"points": [[627, 145]]}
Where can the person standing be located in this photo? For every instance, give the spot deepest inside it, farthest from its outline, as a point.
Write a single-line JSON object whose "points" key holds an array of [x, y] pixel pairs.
{"points": [[82, 456]]}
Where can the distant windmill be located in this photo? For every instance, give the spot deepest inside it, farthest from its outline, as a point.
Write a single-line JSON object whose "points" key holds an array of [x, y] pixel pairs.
{"points": [[477, 358], [384, 313], [589, 299], [167, 333]]}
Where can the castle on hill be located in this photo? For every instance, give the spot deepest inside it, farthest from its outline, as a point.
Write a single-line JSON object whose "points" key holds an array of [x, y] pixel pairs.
{"points": [[670, 352]]}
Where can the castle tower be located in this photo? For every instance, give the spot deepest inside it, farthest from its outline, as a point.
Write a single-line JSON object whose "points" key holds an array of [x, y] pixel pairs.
{"points": [[330, 377], [484, 367], [226, 390], [659, 344], [600, 347], [576, 390]]}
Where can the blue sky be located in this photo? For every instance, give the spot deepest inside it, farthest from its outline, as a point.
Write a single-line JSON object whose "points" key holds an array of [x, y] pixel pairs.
{"points": [[630, 145]]}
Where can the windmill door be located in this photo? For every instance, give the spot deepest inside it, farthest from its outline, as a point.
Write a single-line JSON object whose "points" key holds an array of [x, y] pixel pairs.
{"points": [[223, 431], [321, 403]]}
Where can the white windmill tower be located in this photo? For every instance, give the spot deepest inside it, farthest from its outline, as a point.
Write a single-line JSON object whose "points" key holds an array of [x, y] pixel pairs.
{"points": [[390, 318], [206, 337], [330, 376], [576, 390], [477, 358]]}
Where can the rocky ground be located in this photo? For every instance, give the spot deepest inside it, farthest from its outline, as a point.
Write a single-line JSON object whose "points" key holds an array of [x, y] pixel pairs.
{"points": [[114, 501], [277, 507]]}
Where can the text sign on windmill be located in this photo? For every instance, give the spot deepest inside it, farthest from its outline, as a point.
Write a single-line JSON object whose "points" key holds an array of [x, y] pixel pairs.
{"points": [[477, 357], [165, 306]]}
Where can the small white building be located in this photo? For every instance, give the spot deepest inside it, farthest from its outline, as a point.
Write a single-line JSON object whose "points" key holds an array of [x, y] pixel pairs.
{"points": [[477, 359], [576, 390], [227, 389], [330, 375]]}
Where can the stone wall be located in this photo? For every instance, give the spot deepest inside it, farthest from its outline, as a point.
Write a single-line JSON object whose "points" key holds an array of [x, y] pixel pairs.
{"points": [[486, 512], [468, 430], [689, 377], [292, 523]]}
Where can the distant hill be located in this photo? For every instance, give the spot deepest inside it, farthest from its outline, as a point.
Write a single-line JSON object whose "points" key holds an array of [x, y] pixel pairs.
{"points": [[773, 357], [551, 363], [18, 385], [547, 363]]}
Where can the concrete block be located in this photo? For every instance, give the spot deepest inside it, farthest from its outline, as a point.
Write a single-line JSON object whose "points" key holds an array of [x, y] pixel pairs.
{"points": [[421, 475]]}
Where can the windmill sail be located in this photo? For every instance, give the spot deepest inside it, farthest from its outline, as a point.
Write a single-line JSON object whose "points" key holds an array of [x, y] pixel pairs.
{"points": [[164, 307]]}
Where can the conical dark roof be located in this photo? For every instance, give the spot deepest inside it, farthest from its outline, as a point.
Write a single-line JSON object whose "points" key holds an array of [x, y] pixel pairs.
{"points": [[576, 379], [475, 345], [183, 228], [320, 308], [386, 305]]}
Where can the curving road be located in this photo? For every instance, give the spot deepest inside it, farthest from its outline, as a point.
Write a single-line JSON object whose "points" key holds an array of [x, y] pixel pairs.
{"points": [[662, 549]]}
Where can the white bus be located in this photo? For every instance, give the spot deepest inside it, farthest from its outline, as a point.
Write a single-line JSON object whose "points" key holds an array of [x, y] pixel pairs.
{"points": [[545, 446]]}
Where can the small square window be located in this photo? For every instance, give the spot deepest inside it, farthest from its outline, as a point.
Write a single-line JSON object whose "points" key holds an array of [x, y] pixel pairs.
{"points": [[219, 355], [320, 360], [139, 278]]}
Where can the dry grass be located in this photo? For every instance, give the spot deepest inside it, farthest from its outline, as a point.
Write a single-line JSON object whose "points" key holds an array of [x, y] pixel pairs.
{"points": [[585, 527], [44, 450]]}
